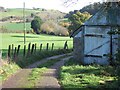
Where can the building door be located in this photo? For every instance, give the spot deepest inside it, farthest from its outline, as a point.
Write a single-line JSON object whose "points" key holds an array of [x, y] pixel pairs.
{"points": [[96, 48]]}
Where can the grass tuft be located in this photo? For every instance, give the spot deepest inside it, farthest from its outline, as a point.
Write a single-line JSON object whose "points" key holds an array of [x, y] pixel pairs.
{"points": [[23, 62], [34, 77], [49, 63], [8, 69], [74, 75]]}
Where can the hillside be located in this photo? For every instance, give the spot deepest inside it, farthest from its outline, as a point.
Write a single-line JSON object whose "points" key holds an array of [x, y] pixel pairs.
{"points": [[12, 21], [92, 9], [16, 12], [43, 13], [51, 15]]}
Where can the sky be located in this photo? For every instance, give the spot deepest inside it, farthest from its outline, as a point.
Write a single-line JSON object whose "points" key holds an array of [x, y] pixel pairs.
{"points": [[47, 4]]}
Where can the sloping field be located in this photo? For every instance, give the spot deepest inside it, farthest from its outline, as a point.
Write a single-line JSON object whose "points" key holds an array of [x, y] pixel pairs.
{"points": [[17, 12], [16, 26], [18, 39]]}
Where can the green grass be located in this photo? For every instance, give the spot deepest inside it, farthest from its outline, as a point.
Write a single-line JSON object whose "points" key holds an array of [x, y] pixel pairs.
{"points": [[25, 61], [89, 77], [34, 76], [18, 39], [17, 12], [49, 63], [7, 69], [54, 14], [16, 26], [36, 73], [65, 20]]}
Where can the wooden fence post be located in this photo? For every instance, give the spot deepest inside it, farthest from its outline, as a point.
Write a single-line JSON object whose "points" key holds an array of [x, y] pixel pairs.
{"points": [[9, 51], [47, 46], [32, 49], [15, 53], [12, 49], [24, 50], [65, 45], [40, 47], [28, 53], [52, 46], [18, 50], [35, 47]]}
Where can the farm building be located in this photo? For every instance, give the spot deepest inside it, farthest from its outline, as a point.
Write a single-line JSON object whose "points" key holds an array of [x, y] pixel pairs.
{"points": [[92, 42]]}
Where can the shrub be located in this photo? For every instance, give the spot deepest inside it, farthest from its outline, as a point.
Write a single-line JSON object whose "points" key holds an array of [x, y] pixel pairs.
{"points": [[7, 69], [118, 67], [26, 61], [36, 24], [53, 28], [3, 30], [47, 27]]}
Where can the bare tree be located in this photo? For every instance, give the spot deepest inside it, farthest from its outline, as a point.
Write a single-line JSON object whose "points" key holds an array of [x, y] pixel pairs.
{"points": [[68, 3]]}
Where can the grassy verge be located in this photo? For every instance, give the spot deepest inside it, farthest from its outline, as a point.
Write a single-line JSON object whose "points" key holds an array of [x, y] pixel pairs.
{"points": [[90, 77], [36, 73], [7, 69], [34, 76], [25, 61], [49, 63]]}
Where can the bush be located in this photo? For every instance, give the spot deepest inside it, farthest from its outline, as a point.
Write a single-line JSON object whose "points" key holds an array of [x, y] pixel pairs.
{"points": [[47, 27], [36, 24], [118, 67], [61, 31], [52, 28]]}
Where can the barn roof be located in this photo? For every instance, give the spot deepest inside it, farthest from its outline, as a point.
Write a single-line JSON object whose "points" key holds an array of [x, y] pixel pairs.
{"points": [[108, 15]]}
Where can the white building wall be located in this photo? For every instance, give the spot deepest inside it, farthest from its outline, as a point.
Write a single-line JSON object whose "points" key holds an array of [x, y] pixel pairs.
{"points": [[101, 61], [115, 44], [79, 34], [97, 44]]}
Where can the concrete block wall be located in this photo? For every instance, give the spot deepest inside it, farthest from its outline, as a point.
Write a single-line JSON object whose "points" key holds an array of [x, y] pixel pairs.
{"points": [[78, 49]]}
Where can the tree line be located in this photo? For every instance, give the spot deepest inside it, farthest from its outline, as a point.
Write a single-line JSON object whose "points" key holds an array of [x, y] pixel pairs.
{"points": [[61, 28], [75, 19]]}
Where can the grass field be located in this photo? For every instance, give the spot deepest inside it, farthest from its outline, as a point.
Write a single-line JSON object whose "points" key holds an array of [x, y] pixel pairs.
{"points": [[89, 77], [18, 39], [42, 13], [17, 12], [16, 26]]}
